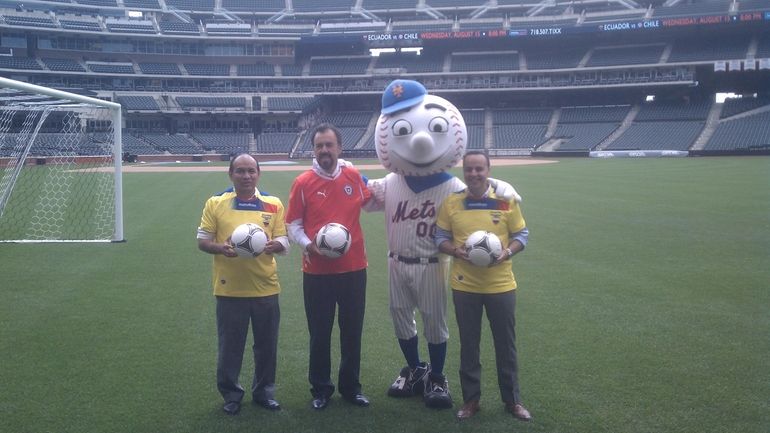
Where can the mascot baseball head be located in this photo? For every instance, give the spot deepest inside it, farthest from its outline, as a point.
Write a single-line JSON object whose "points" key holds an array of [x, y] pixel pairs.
{"points": [[418, 134]]}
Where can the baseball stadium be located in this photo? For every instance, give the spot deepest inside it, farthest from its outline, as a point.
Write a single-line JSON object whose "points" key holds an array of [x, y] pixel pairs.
{"points": [[637, 133]]}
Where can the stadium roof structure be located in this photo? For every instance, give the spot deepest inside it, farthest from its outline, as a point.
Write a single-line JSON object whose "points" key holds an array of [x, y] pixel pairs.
{"points": [[381, 10]]}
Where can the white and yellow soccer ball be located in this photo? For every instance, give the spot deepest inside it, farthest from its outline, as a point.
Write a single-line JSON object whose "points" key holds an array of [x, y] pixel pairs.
{"points": [[333, 240], [248, 240], [483, 248]]}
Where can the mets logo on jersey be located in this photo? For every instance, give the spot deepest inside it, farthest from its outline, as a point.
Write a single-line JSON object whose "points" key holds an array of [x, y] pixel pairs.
{"points": [[348, 190]]}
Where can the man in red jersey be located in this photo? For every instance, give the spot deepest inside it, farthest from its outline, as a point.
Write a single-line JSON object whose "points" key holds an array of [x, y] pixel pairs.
{"points": [[331, 192]]}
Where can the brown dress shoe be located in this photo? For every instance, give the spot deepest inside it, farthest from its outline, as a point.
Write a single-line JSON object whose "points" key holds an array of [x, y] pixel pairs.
{"points": [[518, 411], [468, 410]]}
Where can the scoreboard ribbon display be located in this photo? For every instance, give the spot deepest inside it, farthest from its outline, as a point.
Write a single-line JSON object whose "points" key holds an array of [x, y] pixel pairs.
{"points": [[397, 39]]}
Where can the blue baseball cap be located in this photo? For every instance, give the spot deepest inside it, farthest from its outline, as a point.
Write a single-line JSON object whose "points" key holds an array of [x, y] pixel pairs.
{"points": [[402, 94]]}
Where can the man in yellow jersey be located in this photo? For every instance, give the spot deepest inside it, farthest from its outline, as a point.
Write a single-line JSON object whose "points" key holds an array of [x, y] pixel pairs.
{"points": [[246, 289], [475, 289]]}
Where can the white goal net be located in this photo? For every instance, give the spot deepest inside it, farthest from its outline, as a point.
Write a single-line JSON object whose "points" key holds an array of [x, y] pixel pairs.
{"points": [[60, 166]]}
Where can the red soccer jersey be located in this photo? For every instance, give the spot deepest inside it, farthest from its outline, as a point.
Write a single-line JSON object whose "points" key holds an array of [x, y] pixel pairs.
{"points": [[317, 201]]}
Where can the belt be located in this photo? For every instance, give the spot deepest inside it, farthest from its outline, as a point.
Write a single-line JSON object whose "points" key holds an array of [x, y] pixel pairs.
{"points": [[413, 260]]}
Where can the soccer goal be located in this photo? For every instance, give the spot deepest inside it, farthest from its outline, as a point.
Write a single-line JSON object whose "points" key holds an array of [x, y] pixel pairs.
{"points": [[60, 166]]}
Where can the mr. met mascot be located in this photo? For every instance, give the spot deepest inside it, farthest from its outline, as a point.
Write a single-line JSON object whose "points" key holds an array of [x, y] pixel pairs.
{"points": [[418, 138]]}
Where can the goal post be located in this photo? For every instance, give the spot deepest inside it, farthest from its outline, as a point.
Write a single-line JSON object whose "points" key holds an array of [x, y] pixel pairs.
{"points": [[60, 166]]}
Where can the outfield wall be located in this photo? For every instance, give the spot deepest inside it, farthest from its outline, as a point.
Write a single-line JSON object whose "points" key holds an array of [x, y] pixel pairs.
{"points": [[43, 160]]}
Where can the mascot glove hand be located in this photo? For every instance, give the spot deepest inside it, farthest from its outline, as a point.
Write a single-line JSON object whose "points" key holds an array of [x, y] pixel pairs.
{"points": [[377, 188], [505, 190]]}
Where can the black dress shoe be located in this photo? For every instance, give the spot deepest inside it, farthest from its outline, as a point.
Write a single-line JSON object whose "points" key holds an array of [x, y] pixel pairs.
{"points": [[518, 411], [358, 399], [468, 410], [269, 404], [232, 407], [320, 403]]}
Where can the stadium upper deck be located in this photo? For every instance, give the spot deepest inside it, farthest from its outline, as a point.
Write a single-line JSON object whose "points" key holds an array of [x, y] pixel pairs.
{"points": [[293, 19], [282, 60], [140, 54], [280, 9]]}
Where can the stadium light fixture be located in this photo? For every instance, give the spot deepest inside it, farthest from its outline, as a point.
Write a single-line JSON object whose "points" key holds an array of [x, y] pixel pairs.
{"points": [[722, 96], [375, 52]]}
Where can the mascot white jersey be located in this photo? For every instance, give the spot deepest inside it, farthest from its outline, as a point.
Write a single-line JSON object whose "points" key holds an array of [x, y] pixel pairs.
{"points": [[418, 143], [419, 138]]}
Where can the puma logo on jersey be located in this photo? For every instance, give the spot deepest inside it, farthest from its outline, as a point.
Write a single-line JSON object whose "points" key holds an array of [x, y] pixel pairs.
{"points": [[322, 193]]}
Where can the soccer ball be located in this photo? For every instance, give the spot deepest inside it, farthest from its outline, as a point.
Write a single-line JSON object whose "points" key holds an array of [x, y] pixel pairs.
{"points": [[483, 248], [333, 240], [248, 240]]}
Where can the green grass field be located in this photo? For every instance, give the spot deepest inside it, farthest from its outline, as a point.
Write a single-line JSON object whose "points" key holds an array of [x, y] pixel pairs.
{"points": [[644, 306]]}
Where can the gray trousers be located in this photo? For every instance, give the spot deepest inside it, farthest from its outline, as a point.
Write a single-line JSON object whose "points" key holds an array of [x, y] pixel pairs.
{"points": [[233, 317], [469, 308]]}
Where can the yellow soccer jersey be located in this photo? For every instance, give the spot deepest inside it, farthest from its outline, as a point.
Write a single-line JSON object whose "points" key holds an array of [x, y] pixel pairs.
{"points": [[462, 216], [237, 276]]}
